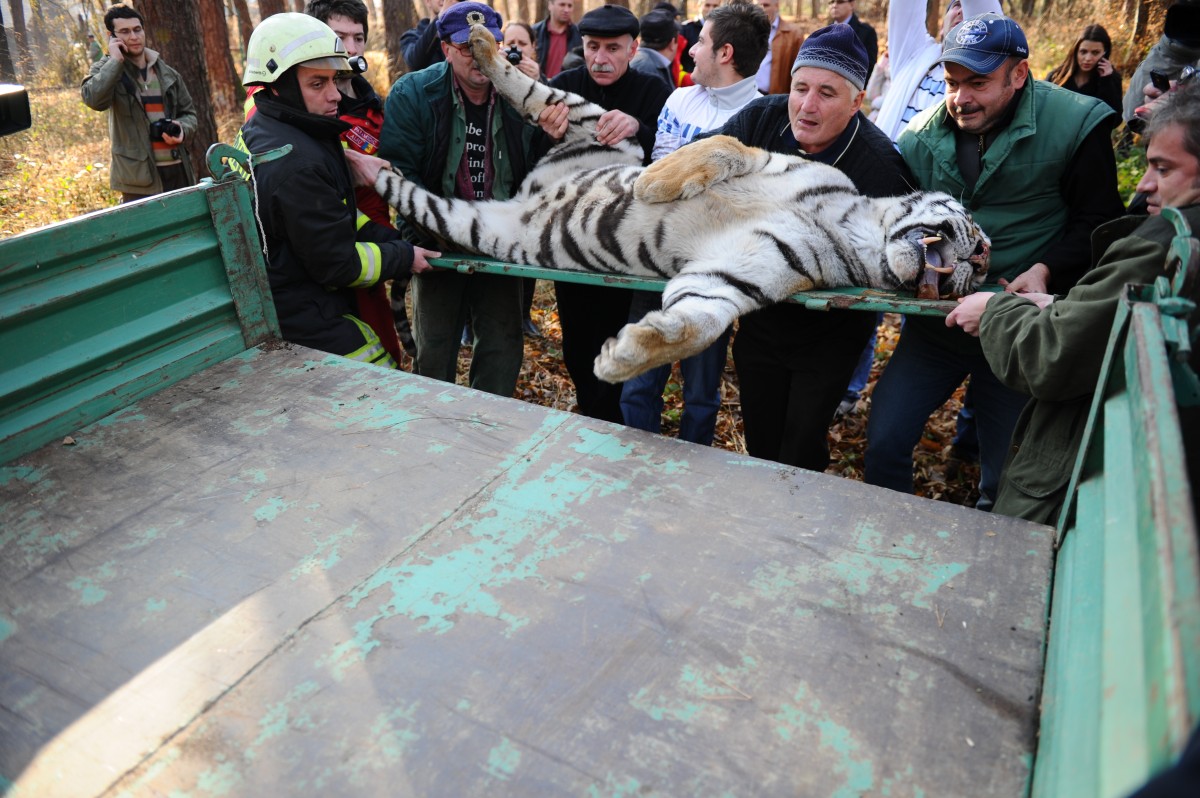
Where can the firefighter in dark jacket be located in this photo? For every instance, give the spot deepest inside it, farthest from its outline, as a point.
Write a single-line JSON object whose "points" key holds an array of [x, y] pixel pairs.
{"points": [[319, 247]]}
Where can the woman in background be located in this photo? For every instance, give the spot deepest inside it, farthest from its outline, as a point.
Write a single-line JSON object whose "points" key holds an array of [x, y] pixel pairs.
{"points": [[1087, 70], [521, 35]]}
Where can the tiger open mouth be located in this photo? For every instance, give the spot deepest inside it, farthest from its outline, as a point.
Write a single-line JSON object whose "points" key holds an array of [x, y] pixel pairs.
{"points": [[943, 276]]}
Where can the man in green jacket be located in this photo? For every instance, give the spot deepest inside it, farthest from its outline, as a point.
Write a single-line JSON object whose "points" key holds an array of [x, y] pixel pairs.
{"points": [[150, 112], [446, 129], [1053, 349], [1033, 164]]}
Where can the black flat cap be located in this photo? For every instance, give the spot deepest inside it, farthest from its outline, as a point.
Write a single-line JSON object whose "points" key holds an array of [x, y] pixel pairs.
{"points": [[608, 21]]}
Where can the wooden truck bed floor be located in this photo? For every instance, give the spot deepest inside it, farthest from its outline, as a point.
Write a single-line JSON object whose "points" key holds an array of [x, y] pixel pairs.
{"points": [[291, 573]]}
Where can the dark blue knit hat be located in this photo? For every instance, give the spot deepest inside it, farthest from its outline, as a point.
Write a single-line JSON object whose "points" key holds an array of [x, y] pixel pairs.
{"points": [[836, 48]]}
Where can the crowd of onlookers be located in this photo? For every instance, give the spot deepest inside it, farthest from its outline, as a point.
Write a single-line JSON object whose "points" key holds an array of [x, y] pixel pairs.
{"points": [[960, 112]]}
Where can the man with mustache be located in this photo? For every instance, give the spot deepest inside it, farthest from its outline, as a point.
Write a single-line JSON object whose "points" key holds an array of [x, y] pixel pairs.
{"points": [[447, 130], [1034, 165], [591, 314]]}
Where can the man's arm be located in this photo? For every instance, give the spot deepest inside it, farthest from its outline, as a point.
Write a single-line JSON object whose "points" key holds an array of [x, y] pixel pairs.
{"points": [[1089, 189], [419, 52], [100, 86], [318, 229], [670, 131], [1056, 353]]}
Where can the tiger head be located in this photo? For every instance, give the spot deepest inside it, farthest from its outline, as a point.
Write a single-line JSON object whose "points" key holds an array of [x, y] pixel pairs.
{"points": [[935, 246]]}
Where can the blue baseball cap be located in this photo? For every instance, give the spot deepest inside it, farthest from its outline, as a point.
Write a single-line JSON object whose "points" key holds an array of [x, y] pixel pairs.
{"points": [[454, 25], [984, 42]]}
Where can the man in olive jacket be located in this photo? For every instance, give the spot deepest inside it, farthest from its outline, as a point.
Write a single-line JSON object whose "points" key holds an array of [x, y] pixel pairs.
{"points": [[1053, 349], [138, 89], [1034, 165]]}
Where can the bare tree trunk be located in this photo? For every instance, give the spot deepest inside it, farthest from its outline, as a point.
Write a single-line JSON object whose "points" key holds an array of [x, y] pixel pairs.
{"points": [[173, 29], [41, 44], [533, 11], [298, 6], [268, 7], [245, 22], [398, 17], [7, 72], [224, 85], [933, 18], [21, 38]]}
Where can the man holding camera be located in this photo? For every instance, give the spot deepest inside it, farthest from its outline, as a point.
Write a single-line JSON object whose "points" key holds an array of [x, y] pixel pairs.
{"points": [[150, 112]]}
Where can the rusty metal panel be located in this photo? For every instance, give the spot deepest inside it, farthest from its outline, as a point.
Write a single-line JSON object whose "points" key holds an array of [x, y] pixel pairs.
{"points": [[307, 575]]}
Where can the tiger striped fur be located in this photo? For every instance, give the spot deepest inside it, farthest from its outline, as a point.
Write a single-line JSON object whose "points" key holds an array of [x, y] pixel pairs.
{"points": [[732, 228]]}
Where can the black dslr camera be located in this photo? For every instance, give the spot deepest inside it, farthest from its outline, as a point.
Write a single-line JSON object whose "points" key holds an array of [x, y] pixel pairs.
{"points": [[161, 127], [513, 54]]}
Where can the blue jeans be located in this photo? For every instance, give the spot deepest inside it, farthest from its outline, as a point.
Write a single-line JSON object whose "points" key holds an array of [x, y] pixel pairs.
{"points": [[642, 396], [921, 375], [862, 372]]}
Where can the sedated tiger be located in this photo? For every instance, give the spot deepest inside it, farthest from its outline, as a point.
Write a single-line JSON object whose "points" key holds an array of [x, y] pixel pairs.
{"points": [[732, 228]]}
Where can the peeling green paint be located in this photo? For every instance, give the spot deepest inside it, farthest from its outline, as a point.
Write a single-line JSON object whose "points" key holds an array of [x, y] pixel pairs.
{"points": [[272, 509], [616, 787], [155, 605], [224, 779], [504, 759], [285, 715], [7, 628], [328, 552], [91, 593]]}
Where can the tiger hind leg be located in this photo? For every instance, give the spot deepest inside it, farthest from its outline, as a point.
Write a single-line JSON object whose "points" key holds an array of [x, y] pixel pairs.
{"points": [[682, 329], [691, 169]]}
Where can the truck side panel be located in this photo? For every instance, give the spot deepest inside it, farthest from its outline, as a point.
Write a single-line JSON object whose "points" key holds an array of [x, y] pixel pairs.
{"points": [[110, 307]]}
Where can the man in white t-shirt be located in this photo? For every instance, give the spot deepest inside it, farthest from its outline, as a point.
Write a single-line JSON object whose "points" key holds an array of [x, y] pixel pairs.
{"points": [[727, 54]]}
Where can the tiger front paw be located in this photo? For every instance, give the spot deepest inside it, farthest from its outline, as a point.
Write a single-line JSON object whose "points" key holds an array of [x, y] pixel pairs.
{"points": [[692, 169]]}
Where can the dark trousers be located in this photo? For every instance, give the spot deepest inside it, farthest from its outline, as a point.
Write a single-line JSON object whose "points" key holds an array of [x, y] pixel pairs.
{"points": [[921, 375], [793, 366], [589, 316]]}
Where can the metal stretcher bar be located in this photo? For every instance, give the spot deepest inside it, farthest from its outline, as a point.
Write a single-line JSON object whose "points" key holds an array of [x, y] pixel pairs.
{"points": [[869, 299]]}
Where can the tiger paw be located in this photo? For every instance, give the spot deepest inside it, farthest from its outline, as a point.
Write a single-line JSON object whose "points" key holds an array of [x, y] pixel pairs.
{"points": [[692, 169], [623, 357]]}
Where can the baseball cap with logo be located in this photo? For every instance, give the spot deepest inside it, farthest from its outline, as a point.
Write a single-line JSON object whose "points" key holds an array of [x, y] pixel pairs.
{"points": [[454, 25], [984, 42]]}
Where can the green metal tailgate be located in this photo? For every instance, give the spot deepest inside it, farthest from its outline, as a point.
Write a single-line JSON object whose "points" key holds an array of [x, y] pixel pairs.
{"points": [[292, 573], [109, 307]]}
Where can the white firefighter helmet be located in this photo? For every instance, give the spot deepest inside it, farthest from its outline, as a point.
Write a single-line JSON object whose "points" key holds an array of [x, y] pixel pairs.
{"points": [[282, 41]]}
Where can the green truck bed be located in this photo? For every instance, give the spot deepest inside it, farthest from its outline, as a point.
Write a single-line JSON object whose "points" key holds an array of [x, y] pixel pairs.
{"points": [[258, 569]]}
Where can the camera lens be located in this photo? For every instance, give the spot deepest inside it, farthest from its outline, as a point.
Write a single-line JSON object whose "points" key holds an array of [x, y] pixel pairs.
{"points": [[513, 55]]}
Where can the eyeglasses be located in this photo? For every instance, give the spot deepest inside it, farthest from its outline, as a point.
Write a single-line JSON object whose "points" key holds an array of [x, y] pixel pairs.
{"points": [[465, 47], [1186, 75]]}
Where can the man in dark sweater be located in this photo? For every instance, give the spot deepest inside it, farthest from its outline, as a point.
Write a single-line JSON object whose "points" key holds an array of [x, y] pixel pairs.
{"points": [[793, 364], [591, 314]]}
